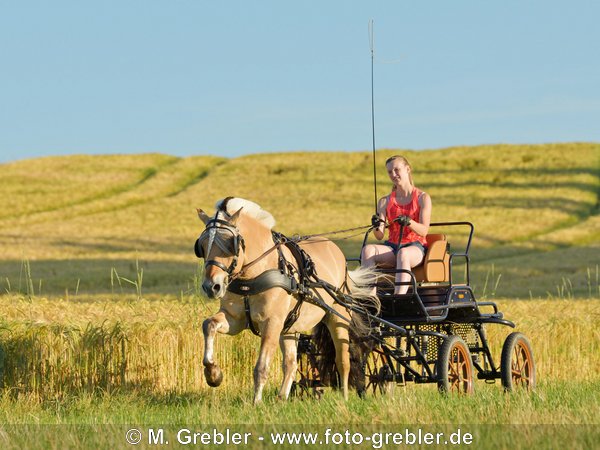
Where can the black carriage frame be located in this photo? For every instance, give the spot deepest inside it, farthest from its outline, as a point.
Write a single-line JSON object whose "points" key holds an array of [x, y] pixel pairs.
{"points": [[435, 333]]}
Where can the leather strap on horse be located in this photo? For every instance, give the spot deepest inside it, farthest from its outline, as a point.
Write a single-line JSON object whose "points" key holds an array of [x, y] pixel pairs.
{"points": [[249, 323], [266, 280], [306, 266], [281, 277]]}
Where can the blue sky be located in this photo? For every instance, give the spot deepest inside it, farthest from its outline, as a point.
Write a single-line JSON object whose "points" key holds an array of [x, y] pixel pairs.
{"points": [[228, 78]]}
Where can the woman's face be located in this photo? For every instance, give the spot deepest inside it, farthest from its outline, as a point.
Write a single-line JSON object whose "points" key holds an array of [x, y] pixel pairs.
{"points": [[398, 172]]}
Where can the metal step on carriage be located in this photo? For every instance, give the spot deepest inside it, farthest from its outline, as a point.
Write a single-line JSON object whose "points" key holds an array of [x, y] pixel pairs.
{"points": [[435, 333]]}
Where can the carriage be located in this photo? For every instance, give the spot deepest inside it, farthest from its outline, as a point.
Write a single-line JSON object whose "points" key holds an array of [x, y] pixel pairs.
{"points": [[435, 333], [279, 287]]}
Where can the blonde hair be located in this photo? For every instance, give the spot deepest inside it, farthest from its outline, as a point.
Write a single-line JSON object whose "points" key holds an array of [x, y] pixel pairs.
{"points": [[405, 162]]}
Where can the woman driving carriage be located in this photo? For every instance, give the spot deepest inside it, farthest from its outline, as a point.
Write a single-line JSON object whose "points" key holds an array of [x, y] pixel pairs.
{"points": [[406, 209]]}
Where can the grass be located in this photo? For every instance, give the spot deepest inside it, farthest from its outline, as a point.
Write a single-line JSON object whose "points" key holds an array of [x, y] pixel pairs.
{"points": [[552, 404], [97, 362], [101, 422]]}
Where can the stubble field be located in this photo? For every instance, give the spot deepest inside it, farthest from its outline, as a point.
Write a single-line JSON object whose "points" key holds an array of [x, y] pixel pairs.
{"points": [[101, 311]]}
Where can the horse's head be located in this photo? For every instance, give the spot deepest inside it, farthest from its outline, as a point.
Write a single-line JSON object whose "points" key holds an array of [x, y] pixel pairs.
{"points": [[222, 247], [221, 243]]}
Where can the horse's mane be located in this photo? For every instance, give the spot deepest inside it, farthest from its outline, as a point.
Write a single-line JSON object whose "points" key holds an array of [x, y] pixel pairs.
{"points": [[232, 204]]}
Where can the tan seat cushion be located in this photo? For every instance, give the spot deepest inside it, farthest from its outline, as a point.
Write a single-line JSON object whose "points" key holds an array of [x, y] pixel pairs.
{"points": [[436, 265]]}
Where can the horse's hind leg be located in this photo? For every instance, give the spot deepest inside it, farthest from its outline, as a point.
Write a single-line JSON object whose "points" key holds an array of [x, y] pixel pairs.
{"points": [[223, 323], [289, 349], [341, 340]]}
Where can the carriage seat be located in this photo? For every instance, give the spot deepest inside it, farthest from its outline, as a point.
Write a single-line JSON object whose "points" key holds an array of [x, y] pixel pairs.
{"points": [[436, 264]]}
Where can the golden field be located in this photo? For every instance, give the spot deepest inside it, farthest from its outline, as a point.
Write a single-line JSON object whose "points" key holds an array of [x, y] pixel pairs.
{"points": [[102, 311]]}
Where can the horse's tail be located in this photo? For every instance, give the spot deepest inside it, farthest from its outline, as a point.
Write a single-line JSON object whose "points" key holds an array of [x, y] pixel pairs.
{"points": [[360, 283]]}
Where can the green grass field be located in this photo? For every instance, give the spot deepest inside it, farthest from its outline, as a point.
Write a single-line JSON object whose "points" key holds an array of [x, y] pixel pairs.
{"points": [[101, 310]]}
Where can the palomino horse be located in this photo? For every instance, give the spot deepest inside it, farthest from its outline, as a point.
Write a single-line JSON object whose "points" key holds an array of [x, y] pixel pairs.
{"points": [[259, 283]]}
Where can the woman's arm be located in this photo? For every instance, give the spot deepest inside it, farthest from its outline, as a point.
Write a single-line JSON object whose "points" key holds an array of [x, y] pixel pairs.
{"points": [[422, 227], [379, 232]]}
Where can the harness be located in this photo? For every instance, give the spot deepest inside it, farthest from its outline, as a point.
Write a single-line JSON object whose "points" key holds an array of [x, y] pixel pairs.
{"points": [[286, 276], [299, 280]]}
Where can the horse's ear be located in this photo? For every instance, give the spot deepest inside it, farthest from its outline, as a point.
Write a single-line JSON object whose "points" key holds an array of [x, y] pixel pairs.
{"points": [[203, 216], [233, 220]]}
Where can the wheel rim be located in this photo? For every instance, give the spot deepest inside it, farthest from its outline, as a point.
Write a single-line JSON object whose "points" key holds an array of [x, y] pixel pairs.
{"points": [[460, 374], [521, 365]]}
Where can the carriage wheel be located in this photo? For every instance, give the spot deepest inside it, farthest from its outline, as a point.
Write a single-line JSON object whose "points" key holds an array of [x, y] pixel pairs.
{"points": [[379, 374], [308, 381], [517, 368], [455, 366]]}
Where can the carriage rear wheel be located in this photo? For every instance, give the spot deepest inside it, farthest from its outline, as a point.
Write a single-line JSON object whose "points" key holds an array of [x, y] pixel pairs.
{"points": [[517, 368], [455, 366], [379, 374]]}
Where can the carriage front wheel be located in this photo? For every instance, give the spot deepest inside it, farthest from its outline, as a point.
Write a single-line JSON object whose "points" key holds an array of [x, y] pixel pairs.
{"points": [[379, 374], [454, 366], [517, 368], [308, 380]]}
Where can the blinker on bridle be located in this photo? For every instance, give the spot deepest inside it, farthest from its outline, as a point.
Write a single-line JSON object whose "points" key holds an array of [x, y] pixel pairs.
{"points": [[212, 226]]}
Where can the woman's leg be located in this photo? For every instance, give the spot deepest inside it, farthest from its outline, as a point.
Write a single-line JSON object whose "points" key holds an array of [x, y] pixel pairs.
{"points": [[407, 258], [377, 255]]}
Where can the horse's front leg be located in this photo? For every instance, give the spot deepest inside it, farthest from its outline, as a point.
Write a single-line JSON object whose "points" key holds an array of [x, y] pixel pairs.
{"points": [[269, 336], [289, 350], [222, 323]]}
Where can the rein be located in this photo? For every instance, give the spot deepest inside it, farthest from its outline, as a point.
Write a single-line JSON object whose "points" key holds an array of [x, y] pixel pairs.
{"points": [[251, 263], [297, 238]]}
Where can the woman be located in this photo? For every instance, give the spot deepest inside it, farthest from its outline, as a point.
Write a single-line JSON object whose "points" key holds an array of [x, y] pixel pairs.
{"points": [[407, 208]]}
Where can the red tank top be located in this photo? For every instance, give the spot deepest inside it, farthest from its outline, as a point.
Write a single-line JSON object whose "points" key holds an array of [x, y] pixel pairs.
{"points": [[412, 210]]}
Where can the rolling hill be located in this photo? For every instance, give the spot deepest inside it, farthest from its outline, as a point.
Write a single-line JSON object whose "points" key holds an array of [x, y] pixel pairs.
{"points": [[69, 224]]}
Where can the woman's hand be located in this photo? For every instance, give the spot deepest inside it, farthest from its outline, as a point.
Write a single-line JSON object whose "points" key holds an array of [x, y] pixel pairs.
{"points": [[403, 220], [376, 221]]}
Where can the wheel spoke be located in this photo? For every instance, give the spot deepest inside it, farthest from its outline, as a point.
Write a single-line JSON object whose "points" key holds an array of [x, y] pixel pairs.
{"points": [[453, 364], [452, 377], [516, 359], [520, 366], [458, 368], [377, 370]]}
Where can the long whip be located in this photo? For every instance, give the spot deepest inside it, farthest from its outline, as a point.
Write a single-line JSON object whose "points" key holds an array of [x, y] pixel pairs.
{"points": [[372, 45]]}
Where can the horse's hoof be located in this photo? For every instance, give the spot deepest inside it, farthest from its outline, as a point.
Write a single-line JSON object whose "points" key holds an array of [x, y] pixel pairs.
{"points": [[213, 375]]}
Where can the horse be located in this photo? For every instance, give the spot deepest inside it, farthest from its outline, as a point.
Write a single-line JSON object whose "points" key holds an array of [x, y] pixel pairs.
{"points": [[276, 289]]}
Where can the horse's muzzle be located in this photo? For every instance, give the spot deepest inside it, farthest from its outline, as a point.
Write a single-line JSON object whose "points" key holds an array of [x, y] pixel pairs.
{"points": [[214, 288]]}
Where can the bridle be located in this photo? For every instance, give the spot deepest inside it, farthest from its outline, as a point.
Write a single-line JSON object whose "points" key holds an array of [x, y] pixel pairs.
{"points": [[210, 232]]}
